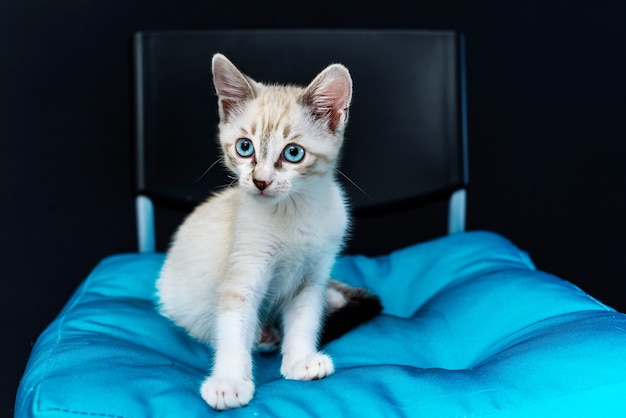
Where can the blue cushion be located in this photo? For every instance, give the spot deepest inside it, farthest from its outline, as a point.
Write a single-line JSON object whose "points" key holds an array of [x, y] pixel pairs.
{"points": [[470, 328]]}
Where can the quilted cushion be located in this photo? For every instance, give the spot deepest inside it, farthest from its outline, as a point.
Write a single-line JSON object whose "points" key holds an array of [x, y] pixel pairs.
{"points": [[470, 328]]}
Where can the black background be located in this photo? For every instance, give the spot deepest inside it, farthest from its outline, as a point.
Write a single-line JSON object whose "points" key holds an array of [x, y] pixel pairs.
{"points": [[547, 101]]}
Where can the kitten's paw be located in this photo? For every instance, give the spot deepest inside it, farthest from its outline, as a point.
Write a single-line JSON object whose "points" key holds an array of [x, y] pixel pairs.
{"points": [[313, 367], [222, 393]]}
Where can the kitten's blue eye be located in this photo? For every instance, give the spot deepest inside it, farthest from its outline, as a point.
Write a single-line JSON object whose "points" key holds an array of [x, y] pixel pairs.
{"points": [[244, 147], [293, 153]]}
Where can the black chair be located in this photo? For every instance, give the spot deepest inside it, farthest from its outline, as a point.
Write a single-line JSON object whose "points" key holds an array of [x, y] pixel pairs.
{"points": [[469, 326]]}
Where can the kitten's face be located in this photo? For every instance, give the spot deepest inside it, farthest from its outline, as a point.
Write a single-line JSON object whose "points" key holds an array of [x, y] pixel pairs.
{"points": [[273, 148], [279, 140]]}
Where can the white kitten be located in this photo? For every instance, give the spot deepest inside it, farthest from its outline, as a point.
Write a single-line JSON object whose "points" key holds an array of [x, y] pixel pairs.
{"points": [[260, 253]]}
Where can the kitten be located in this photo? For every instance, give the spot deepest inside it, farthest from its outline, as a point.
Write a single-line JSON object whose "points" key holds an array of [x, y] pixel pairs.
{"points": [[250, 266]]}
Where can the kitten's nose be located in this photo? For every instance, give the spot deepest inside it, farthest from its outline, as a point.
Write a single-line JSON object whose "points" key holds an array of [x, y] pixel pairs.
{"points": [[261, 184]]}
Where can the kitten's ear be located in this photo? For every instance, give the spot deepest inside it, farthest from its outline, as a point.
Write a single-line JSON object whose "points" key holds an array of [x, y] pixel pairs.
{"points": [[233, 88], [328, 96]]}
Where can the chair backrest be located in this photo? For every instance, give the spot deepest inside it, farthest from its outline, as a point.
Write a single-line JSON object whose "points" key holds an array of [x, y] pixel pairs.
{"points": [[406, 137]]}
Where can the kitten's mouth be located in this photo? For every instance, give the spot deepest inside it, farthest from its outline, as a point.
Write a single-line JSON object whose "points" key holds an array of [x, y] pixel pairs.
{"points": [[264, 196]]}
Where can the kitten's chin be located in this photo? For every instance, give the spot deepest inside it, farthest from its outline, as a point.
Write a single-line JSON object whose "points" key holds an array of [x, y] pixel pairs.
{"points": [[267, 198]]}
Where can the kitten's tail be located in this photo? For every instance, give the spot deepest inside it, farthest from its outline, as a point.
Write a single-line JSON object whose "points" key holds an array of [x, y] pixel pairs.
{"points": [[347, 308]]}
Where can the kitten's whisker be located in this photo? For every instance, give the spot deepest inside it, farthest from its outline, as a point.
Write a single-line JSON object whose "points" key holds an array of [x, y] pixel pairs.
{"points": [[354, 184], [226, 186], [208, 169]]}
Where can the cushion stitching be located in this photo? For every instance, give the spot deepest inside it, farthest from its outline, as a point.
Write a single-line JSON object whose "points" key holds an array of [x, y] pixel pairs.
{"points": [[91, 414]]}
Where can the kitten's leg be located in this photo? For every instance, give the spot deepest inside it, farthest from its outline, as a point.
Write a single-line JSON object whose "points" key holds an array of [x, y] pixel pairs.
{"points": [[301, 320], [230, 384]]}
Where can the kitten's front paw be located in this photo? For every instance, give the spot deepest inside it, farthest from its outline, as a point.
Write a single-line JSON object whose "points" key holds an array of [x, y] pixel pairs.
{"points": [[222, 393], [316, 366]]}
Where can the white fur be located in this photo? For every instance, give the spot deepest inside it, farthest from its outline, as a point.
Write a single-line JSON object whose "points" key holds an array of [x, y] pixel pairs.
{"points": [[247, 257]]}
